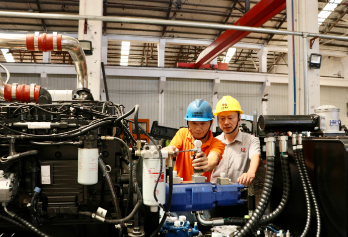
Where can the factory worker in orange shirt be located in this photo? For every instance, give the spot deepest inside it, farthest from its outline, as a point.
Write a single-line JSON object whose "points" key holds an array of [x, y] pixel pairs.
{"points": [[199, 118]]}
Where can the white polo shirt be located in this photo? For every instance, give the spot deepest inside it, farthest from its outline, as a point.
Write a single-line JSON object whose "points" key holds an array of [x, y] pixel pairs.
{"points": [[237, 155]]}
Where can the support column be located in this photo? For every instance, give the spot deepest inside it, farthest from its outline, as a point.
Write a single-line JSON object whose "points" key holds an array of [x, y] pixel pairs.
{"points": [[92, 31], [262, 54], [44, 80], [46, 57], [216, 87], [302, 15], [345, 67], [161, 46], [161, 89]]}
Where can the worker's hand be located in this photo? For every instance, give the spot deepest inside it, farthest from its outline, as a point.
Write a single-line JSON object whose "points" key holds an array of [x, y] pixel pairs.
{"points": [[200, 162], [171, 148], [246, 178]]}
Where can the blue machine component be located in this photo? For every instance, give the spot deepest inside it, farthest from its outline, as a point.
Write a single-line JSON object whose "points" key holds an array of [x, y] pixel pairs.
{"points": [[169, 230], [203, 196]]}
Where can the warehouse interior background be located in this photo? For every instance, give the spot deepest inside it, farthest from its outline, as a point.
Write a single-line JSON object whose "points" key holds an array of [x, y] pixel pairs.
{"points": [[141, 59]]}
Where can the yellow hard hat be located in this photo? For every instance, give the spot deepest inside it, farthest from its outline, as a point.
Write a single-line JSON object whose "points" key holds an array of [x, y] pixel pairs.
{"points": [[228, 103]]}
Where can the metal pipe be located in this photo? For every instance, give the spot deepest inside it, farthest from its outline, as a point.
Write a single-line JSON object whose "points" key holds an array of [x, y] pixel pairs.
{"points": [[214, 222], [69, 44], [162, 22], [247, 5], [305, 74], [75, 50]]}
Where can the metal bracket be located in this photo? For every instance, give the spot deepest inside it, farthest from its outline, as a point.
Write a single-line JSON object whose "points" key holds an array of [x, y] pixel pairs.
{"points": [[85, 27], [312, 41]]}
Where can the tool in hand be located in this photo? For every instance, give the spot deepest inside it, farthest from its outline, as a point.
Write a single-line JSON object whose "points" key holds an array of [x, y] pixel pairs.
{"points": [[197, 144]]}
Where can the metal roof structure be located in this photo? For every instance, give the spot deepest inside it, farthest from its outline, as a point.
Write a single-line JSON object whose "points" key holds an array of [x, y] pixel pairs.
{"points": [[144, 53]]}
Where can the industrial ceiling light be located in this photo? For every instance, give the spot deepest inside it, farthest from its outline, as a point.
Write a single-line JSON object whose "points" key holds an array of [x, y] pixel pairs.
{"points": [[8, 56], [327, 10], [229, 55], [125, 53], [315, 61]]}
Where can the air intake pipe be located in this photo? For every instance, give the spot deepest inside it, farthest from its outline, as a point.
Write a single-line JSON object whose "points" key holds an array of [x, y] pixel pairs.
{"points": [[43, 42]]}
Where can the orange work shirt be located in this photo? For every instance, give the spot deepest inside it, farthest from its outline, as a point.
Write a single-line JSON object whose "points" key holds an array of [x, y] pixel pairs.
{"points": [[183, 140]]}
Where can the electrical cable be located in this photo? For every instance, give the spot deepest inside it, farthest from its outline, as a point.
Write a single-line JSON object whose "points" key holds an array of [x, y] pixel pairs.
{"points": [[311, 191]]}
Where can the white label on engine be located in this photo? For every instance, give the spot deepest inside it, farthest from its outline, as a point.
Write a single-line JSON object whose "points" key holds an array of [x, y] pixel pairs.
{"points": [[45, 174], [39, 125], [334, 122]]}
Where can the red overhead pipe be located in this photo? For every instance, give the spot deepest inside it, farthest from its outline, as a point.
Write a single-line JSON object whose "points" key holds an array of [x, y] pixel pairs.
{"points": [[255, 17]]}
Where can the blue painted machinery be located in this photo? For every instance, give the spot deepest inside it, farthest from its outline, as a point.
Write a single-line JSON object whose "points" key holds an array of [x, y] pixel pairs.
{"points": [[170, 229], [203, 196]]}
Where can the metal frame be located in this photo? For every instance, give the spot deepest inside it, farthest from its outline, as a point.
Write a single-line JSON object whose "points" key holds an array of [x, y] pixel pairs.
{"points": [[304, 35]]}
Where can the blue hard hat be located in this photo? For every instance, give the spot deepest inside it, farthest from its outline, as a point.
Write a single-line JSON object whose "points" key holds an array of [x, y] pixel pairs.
{"points": [[199, 110]]}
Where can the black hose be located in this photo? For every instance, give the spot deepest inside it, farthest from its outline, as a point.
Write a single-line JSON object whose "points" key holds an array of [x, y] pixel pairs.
{"points": [[111, 186], [18, 156], [262, 205], [29, 226], [316, 207], [286, 192], [80, 131], [136, 123], [5, 218], [126, 130], [169, 201], [137, 206], [139, 203], [303, 180]]}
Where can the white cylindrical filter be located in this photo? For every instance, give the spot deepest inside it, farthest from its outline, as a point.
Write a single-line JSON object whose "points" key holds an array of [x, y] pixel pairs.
{"points": [[151, 169], [331, 114], [87, 166]]}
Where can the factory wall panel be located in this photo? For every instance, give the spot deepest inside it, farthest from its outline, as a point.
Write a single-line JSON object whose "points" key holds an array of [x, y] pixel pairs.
{"points": [[62, 82], [130, 91], [336, 96], [278, 99], [22, 78], [179, 94], [247, 93], [331, 67]]}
